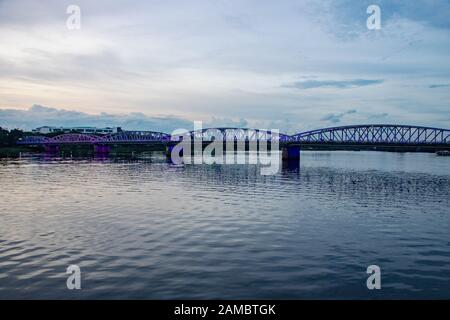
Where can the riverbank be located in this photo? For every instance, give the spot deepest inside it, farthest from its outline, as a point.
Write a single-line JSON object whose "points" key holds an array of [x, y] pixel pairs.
{"points": [[15, 151]]}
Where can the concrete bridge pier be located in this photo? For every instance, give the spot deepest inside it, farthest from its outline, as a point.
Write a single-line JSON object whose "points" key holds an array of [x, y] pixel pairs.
{"points": [[169, 149], [290, 153], [102, 148]]}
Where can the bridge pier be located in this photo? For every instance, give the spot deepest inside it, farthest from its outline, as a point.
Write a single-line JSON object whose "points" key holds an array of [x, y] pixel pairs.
{"points": [[169, 150], [102, 148], [52, 148], [290, 153]]}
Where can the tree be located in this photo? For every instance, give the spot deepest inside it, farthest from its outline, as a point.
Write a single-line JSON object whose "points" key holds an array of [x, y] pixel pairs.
{"points": [[14, 136], [10, 138], [4, 137]]}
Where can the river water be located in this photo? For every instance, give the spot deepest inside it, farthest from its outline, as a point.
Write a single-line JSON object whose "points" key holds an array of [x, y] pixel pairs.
{"points": [[146, 229]]}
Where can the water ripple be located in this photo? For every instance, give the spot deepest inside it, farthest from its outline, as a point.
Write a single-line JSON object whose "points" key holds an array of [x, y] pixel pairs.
{"points": [[143, 229]]}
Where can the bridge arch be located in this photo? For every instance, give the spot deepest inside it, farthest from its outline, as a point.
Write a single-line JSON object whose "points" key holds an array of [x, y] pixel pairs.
{"points": [[136, 137], [375, 134], [73, 138], [237, 134]]}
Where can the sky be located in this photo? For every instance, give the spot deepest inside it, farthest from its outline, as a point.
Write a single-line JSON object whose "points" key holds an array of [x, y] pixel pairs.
{"points": [[287, 65]]}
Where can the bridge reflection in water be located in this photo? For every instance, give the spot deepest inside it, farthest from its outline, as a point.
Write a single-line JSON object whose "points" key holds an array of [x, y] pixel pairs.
{"points": [[357, 137]]}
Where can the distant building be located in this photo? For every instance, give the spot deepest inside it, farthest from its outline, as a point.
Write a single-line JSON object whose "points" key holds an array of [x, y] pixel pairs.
{"points": [[87, 130]]}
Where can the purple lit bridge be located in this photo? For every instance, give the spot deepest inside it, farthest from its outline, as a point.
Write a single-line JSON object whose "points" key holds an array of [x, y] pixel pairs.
{"points": [[358, 137]]}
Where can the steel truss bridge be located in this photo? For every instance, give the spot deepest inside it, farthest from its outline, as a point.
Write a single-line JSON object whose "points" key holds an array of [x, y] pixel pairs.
{"points": [[375, 134], [372, 134]]}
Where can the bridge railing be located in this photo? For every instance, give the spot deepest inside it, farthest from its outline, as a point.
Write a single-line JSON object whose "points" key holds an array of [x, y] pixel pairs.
{"points": [[33, 140]]}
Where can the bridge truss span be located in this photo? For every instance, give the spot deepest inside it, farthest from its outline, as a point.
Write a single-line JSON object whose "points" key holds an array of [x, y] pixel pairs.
{"points": [[130, 137], [74, 138], [237, 134], [375, 134], [136, 137]]}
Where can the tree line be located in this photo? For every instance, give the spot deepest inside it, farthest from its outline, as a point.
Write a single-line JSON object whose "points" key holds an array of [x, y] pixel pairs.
{"points": [[9, 138]]}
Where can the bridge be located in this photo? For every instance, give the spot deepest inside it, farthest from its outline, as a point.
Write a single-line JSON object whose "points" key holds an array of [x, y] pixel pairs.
{"points": [[374, 136], [125, 137]]}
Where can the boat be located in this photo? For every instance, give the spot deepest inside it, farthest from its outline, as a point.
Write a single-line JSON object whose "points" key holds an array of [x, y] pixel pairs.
{"points": [[443, 153]]}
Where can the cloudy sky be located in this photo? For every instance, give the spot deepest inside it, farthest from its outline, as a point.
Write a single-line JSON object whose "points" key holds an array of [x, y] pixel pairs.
{"points": [[290, 65]]}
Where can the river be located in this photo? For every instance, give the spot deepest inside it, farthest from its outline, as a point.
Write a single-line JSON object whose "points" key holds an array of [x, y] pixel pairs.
{"points": [[146, 229]]}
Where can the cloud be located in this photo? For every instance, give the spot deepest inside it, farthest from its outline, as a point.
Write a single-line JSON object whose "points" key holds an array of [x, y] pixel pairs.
{"points": [[335, 118], [378, 116], [157, 64], [433, 12], [225, 122], [38, 115], [434, 86], [340, 84]]}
